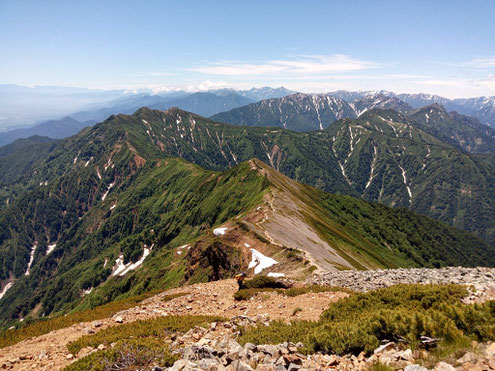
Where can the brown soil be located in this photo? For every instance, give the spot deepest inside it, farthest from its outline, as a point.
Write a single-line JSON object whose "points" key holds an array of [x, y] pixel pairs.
{"points": [[212, 298]]}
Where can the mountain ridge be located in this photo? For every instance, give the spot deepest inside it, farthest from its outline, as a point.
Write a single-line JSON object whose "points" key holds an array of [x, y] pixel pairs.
{"points": [[114, 194]]}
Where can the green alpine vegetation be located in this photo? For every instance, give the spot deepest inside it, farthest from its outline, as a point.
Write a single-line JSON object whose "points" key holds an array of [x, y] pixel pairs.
{"points": [[402, 313], [109, 214], [381, 157]]}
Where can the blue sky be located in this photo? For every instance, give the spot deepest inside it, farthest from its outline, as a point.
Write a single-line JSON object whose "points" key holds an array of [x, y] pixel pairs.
{"points": [[441, 47]]}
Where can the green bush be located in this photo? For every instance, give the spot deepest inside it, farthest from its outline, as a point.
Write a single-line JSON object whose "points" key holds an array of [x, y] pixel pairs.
{"points": [[45, 326], [398, 313], [264, 282], [160, 328], [128, 354], [246, 294]]}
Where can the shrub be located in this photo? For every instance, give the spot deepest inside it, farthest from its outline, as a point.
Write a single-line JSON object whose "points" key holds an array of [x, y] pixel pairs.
{"points": [[398, 313], [264, 282], [246, 294], [45, 326], [159, 327], [128, 354]]}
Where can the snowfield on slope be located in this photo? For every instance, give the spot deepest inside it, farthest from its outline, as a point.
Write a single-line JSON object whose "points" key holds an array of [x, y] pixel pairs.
{"points": [[260, 261]]}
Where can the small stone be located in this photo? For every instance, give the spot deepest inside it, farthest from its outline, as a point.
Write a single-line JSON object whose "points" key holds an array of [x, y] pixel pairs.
{"points": [[292, 359], [292, 349], [69, 356], [444, 366], [239, 366], [468, 357], [415, 367], [97, 324], [84, 352], [384, 348], [119, 319], [88, 331], [490, 350], [406, 355], [101, 347], [42, 355]]}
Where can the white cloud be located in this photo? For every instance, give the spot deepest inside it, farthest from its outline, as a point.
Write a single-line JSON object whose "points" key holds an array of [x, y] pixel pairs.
{"points": [[488, 83], [443, 82], [313, 64], [482, 62]]}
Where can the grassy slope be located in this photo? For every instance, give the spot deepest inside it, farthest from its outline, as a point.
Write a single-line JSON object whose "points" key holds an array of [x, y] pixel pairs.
{"points": [[125, 151], [446, 183]]}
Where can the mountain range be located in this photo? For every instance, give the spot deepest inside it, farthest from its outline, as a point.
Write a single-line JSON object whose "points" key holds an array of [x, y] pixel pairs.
{"points": [[202, 103], [56, 129], [482, 108], [113, 211], [306, 112]]}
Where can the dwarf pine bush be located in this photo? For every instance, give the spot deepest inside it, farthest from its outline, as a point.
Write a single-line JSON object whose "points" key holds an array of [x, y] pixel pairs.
{"points": [[128, 354], [155, 328], [398, 313]]}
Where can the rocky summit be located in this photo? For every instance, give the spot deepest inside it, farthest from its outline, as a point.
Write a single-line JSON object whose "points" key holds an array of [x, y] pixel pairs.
{"points": [[481, 281]]}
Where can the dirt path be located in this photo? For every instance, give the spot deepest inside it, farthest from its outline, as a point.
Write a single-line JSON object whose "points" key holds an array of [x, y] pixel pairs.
{"points": [[49, 352]]}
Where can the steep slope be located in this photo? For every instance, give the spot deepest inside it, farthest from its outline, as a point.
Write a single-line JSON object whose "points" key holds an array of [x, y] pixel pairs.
{"points": [[482, 108], [298, 112], [17, 161], [380, 157], [116, 216], [379, 101], [154, 230], [464, 132], [56, 129]]}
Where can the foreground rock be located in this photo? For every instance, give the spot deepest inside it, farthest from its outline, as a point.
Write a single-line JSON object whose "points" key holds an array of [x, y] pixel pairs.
{"points": [[481, 280], [216, 348]]}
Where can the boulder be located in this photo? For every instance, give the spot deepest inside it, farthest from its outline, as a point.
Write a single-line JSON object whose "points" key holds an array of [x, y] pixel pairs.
{"points": [[490, 350], [468, 357], [444, 366], [88, 331], [239, 366], [415, 368]]}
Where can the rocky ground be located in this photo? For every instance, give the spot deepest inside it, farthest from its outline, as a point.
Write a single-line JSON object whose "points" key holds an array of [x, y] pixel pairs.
{"points": [[216, 348], [49, 352], [480, 280]]}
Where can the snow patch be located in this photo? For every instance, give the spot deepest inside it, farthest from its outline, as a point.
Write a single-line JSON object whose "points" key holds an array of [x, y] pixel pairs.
{"points": [[88, 291], [51, 248], [5, 289], [31, 258], [405, 182], [260, 261], [121, 269], [247, 245], [219, 231], [113, 206], [273, 274], [372, 172], [105, 262], [108, 190]]}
